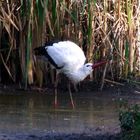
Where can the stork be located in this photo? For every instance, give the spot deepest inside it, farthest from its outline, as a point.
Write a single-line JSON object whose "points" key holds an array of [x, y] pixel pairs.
{"points": [[67, 58]]}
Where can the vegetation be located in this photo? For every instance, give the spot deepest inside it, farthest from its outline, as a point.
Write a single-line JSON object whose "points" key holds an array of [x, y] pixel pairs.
{"points": [[130, 122], [104, 29]]}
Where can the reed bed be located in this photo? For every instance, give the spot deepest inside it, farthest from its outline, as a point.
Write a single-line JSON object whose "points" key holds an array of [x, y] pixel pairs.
{"points": [[105, 29]]}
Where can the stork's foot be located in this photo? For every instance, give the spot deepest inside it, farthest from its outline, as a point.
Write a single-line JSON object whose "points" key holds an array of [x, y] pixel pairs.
{"points": [[71, 99], [72, 104], [55, 98], [55, 105]]}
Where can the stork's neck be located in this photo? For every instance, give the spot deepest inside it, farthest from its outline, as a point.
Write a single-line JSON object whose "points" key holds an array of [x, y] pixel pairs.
{"points": [[77, 75]]}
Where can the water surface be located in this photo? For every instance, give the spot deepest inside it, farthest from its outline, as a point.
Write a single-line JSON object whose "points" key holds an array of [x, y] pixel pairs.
{"points": [[34, 112]]}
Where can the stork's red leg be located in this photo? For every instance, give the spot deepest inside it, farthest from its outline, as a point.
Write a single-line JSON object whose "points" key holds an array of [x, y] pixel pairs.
{"points": [[55, 90], [71, 97], [75, 87]]}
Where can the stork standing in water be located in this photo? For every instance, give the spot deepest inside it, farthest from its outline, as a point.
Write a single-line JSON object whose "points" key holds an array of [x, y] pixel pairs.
{"points": [[67, 58]]}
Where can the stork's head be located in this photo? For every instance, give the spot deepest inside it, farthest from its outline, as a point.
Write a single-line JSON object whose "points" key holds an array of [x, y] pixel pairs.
{"points": [[88, 68]]}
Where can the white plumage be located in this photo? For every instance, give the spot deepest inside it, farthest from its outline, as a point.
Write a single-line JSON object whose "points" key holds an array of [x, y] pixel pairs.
{"points": [[67, 58], [70, 57], [66, 53]]}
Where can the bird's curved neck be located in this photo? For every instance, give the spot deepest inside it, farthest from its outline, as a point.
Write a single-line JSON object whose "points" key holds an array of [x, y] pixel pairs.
{"points": [[77, 75]]}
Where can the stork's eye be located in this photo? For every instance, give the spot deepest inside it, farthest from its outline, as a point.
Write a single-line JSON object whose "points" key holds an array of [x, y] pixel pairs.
{"points": [[88, 65]]}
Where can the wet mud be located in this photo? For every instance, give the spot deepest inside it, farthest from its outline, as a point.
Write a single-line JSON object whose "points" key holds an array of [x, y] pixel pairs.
{"points": [[54, 136]]}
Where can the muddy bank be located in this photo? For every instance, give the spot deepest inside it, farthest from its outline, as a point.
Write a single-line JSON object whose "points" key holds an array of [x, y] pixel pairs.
{"points": [[60, 137]]}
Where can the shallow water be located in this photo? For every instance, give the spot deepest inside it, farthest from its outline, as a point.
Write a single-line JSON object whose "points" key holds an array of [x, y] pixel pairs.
{"points": [[35, 113]]}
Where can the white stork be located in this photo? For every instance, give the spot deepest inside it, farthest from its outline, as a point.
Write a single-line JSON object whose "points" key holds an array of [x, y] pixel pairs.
{"points": [[67, 58]]}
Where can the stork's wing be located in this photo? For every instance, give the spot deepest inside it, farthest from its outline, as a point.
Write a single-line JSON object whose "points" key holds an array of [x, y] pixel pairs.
{"points": [[66, 54]]}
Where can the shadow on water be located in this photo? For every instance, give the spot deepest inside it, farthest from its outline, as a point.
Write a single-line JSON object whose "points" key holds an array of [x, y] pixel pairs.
{"points": [[35, 113]]}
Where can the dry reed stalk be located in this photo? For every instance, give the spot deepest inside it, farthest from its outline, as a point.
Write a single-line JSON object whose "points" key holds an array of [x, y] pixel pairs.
{"points": [[101, 28]]}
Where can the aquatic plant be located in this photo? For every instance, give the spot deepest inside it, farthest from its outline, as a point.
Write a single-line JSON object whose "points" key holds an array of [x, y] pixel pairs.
{"points": [[130, 122]]}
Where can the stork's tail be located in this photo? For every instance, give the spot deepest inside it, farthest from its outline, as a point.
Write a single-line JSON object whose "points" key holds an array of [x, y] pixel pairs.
{"points": [[40, 51]]}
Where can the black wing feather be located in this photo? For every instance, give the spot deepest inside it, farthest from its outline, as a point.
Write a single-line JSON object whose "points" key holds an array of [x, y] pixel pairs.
{"points": [[41, 51]]}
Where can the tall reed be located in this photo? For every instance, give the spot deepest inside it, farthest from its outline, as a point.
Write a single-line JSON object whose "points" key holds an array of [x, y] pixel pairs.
{"points": [[103, 29]]}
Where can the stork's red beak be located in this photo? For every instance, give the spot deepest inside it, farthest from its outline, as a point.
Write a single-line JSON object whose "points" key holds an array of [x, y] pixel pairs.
{"points": [[96, 65]]}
